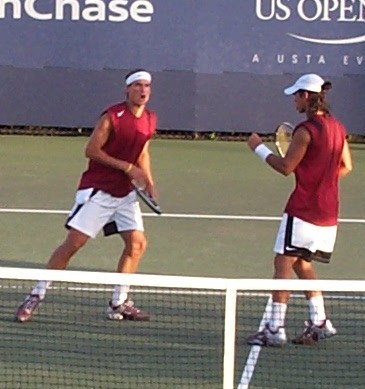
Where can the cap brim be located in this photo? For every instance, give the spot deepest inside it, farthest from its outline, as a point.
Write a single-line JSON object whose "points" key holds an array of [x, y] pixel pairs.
{"points": [[291, 90]]}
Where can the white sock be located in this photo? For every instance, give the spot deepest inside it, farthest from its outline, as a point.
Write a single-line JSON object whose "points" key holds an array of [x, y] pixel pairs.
{"points": [[41, 288], [316, 310], [120, 294], [277, 316]]}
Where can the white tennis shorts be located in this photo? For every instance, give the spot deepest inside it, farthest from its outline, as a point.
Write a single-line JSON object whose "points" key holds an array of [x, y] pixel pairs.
{"points": [[95, 210], [302, 239]]}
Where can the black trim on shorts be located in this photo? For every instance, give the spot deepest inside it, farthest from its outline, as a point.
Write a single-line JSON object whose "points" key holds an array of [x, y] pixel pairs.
{"points": [[307, 255], [110, 228], [77, 209]]}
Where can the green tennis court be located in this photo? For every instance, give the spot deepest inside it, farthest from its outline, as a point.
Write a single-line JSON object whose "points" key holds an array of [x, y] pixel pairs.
{"points": [[221, 208], [71, 344], [195, 180]]}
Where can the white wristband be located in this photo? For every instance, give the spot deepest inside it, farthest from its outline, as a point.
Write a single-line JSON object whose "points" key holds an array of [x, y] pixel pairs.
{"points": [[263, 151]]}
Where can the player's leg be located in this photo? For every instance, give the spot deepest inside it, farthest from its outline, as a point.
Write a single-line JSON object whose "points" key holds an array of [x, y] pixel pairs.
{"points": [[121, 307], [59, 260], [318, 326], [317, 243], [274, 333], [305, 271], [85, 221], [283, 270], [135, 244], [61, 257], [127, 222]]}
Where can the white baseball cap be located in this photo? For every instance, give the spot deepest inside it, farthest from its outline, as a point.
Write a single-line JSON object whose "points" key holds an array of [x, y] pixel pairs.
{"points": [[308, 82]]}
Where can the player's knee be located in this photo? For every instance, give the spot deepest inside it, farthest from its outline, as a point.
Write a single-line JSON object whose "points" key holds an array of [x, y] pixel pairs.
{"points": [[137, 247], [73, 247], [74, 243]]}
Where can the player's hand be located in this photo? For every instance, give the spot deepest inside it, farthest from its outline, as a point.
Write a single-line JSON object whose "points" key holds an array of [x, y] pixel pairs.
{"points": [[253, 141], [138, 176], [150, 188]]}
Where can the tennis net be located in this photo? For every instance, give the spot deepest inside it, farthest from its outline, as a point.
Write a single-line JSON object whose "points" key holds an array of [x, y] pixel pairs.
{"points": [[196, 337]]}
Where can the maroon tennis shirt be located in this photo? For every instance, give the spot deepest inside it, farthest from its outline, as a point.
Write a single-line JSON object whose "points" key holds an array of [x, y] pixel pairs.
{"points": [[126, 142], [315, 198]]}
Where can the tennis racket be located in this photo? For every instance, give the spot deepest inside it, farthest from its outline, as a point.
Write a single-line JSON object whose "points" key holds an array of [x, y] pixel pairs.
{"points": [[146, 198], [283, 137]]}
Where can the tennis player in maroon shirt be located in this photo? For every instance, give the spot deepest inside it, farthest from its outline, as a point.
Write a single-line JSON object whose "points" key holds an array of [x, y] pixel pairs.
{"points": [[318, 156], [118, 152]]}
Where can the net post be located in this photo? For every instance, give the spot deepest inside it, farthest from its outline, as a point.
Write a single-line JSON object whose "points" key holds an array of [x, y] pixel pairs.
{"points": [[229, 337]]}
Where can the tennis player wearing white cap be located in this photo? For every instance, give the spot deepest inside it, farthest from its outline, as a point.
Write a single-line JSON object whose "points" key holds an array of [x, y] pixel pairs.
{"points": [[118, 152], [318, 156]]}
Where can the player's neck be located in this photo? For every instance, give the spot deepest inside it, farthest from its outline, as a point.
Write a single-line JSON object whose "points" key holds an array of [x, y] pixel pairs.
{"points": [[136, 110], [317, 113]]}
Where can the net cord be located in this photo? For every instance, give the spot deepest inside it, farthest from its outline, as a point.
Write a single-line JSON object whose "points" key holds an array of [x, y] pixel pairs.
{"points": [[182, 282]]}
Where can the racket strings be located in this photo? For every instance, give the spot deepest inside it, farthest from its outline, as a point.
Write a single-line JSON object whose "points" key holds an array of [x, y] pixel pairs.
{"points": [[283, 137]]}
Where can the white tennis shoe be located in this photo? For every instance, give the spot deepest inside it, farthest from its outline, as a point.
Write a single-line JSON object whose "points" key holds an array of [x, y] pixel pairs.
{"points": [[126, 311], [26, 309], [313, 333], [267, 337]]}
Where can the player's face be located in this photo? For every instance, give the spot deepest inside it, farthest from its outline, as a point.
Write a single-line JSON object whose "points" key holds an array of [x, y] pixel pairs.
{"points": [[300, 101], [139, 92]]}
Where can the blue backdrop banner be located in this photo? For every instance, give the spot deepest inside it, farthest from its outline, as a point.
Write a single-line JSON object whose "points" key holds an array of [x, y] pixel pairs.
{"points": [[203, 37]]}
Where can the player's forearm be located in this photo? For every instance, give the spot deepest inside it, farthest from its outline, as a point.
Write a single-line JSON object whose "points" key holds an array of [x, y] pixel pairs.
{"points": [[344, 171], [144, 162], [279, 164], [346, 161], [265, 153], [102, 157]]}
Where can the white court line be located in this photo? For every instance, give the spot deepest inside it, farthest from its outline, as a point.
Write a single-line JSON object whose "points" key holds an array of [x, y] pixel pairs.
{"points": [[255, 350], [172, 215], [253, 356]]}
